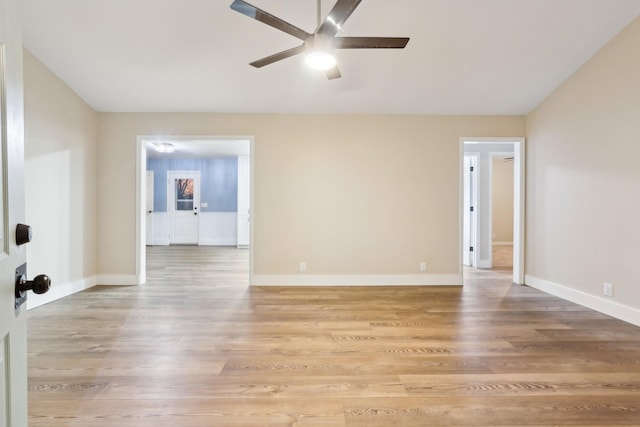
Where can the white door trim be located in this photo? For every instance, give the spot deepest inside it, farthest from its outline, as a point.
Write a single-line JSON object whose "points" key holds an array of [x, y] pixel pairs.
{"points": [[243, 214], [518, 199], [149, 200], [141, 168], [473, 238]]}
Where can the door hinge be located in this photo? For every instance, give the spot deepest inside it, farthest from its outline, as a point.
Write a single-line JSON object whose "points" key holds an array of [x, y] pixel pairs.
{"points": [[470, 248], [471, 208], [471, 169]]}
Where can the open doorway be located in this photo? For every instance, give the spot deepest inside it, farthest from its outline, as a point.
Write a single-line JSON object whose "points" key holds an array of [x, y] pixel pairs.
{"points": [[502, 199], [482, 159], [220, 212]]}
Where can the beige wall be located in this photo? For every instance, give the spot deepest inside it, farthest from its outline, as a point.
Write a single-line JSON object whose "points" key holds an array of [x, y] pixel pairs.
{"points": [[502, 200], [583, 176], [347, 194], [357, 194], [61, 133]]}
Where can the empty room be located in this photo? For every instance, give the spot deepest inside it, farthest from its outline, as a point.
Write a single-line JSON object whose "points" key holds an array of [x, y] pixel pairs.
{"points": [[319, 213]]}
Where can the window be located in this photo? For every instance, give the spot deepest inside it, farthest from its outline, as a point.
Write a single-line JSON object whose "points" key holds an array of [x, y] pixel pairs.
{"points": [[184, 194]]}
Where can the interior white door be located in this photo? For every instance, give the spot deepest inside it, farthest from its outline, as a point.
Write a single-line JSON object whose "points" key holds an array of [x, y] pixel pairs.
{"points": [[469, 211], [149, 208], [183, 204], [13, 325], [244, 201]]}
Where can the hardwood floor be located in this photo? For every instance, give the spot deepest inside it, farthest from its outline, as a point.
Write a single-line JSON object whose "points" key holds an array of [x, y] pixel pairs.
{"points": [[502, 256], [197, 347]]}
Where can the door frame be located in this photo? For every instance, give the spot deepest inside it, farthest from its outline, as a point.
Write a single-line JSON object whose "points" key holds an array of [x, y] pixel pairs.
{"points": [[518, 199], [149, 209], [473, 217], [140, 212], [242, 215]]}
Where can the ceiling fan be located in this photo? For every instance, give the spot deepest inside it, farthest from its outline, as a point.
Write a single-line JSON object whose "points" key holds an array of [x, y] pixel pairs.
{"points": [[320, 44]]}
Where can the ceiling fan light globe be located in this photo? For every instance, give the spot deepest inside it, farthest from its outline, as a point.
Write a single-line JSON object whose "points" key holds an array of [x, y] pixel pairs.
{"points": [[321, 60]]}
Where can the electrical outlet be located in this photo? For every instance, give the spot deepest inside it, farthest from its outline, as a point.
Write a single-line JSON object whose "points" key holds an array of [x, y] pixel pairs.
{"points": [[303, 266], [423, 266], [607, 289]]}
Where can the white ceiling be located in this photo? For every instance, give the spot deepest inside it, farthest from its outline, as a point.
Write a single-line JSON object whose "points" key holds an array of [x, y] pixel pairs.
{"points": [[199, 148], [464, 57]]}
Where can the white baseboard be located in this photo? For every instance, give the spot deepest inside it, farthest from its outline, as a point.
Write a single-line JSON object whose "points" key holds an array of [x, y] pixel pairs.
{"points": [[217, 242], [58, 291], [357, 280], [502, 243], [603, 305], [117, 280]]}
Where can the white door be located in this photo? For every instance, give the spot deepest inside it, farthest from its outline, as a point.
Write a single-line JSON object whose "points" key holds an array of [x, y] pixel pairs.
{"points": [[13, 324], [183, 204], [469, 211], [244, 200], [149, 208]]}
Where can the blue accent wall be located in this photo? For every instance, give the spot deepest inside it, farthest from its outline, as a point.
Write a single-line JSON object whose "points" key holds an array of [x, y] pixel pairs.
{"points": [[218, 181]]}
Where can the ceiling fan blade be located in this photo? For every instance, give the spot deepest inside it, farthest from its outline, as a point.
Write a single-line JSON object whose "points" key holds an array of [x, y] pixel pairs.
{"points": [[333, 73], [265, 17], [278, 56], [337, 17], [370, 42]]}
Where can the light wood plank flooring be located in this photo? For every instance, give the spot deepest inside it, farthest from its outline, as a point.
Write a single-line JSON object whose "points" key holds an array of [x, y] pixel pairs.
{"points": [[502, 256], [197, 347]]}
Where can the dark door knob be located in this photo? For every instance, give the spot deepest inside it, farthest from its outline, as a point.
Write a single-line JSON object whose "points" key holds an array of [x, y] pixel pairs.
{"points": [[24, 234], [39, 285]]}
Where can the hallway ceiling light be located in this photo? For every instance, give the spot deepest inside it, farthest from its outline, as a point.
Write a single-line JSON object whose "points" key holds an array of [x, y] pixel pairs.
{"points": [[164, 147]]}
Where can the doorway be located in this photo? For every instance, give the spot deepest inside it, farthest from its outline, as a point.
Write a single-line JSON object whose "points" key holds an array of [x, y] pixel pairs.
{"points": [[480, 229], [198, 210], [501, 222]]}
